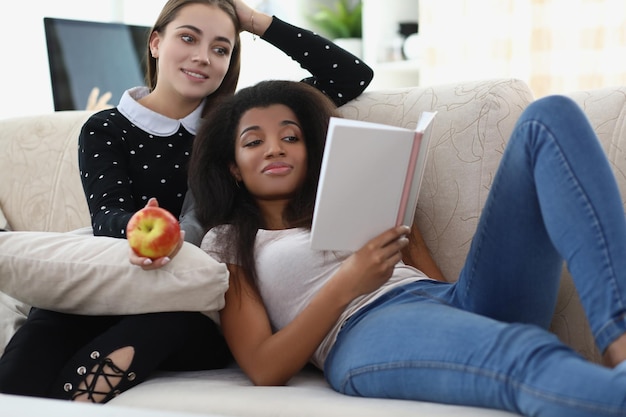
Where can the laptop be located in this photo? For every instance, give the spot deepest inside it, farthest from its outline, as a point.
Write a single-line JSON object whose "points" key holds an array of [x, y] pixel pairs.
{"points": [[83, 55]]}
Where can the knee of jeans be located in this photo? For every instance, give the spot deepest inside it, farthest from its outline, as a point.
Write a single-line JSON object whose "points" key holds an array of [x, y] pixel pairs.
{"points": [[554, 109], [553, 103]]}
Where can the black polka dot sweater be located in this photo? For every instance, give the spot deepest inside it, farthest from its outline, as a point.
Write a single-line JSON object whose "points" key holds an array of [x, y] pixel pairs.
{"points": [[129, 154], [336, 72]]}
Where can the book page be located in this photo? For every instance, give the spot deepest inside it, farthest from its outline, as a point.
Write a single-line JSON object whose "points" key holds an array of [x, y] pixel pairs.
{"points": [[422, 141], [362, 181]]}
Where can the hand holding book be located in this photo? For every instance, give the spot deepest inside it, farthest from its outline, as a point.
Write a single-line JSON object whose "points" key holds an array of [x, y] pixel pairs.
{"points": [[370, 180]]}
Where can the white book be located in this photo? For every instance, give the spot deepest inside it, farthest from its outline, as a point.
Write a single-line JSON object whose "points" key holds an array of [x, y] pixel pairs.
{"points": [[369, 182]]}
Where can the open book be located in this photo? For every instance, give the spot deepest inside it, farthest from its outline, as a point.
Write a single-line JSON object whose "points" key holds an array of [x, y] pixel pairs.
{"points": [[370, 181]]}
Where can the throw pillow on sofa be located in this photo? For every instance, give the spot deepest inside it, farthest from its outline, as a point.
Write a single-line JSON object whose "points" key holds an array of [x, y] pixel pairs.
{"points": [[83, 274], [12, 314], [4, 223]]}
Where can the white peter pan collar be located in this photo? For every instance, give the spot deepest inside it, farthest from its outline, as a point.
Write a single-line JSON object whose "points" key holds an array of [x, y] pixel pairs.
{"points": [[151, 121]]}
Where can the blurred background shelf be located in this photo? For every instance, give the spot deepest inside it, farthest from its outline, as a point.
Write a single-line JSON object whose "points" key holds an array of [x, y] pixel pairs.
{"points": [[382, 42]]}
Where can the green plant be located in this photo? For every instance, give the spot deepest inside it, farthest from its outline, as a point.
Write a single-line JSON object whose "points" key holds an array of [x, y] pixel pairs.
{"points": [[342, 21]]}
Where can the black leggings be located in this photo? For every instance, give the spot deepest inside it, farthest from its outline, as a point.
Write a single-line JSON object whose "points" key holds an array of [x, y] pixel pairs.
{"points": [[45, 356]]}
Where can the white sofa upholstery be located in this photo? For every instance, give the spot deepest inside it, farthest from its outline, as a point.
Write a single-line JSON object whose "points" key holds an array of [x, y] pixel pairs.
{"points": [[40, 190]]}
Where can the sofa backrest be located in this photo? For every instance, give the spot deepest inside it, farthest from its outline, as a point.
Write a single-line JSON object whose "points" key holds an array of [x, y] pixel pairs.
{"points": [[474, 121], [40, 186], [606, 110]]}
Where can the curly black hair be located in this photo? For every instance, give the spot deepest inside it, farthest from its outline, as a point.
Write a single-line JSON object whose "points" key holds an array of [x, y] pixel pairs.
{"points": [[219, 199]]}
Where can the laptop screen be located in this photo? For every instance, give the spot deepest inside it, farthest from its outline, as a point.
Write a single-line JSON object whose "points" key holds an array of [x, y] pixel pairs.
{"points": [[83, 55]]}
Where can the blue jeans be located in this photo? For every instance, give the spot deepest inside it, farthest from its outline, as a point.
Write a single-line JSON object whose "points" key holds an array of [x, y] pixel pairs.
{"points": [[483, 340]]}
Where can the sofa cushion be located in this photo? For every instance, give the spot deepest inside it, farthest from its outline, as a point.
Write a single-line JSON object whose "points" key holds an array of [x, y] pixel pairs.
{"points": [[79, 273], [228, 392]]}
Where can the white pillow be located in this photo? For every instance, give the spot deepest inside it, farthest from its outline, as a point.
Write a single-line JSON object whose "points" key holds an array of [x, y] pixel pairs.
{"points": [[4, 223], [82, 274], [12, 314]]}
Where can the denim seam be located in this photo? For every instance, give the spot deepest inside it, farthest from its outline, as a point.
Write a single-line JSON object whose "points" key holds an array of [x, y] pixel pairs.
{"points": [[610, 331], [569, 402]]}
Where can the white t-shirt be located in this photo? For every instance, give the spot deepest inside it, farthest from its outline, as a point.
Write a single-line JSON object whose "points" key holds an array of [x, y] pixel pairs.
{"points": [[290, 273]]}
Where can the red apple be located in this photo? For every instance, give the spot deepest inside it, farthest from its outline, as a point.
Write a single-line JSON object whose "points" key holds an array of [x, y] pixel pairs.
{"points": [[153, 232]]}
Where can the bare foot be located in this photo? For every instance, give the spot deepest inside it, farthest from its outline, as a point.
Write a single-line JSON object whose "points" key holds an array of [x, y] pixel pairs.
{"points": [[616, 352]]}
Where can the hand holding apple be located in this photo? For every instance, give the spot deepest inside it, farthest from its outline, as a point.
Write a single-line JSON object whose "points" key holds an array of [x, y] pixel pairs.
{"points": [[153, 232]]}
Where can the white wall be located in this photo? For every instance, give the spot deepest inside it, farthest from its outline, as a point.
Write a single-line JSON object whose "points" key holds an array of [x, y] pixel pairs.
{"points": [[24, 76]]}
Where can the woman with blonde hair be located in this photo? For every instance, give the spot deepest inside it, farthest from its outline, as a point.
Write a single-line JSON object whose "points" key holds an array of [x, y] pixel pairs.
{"points": [[136, 154]]}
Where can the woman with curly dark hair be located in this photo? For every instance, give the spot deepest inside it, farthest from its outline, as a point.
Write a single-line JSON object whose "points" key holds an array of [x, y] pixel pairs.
{"points": [[380, 328]]}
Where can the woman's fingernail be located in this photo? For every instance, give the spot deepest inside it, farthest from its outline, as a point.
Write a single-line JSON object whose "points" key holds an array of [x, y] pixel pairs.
{"points": [[166, 260], [147, 262]]}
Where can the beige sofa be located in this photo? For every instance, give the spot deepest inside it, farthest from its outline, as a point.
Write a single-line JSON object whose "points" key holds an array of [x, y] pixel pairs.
{"points": [[40, 191]]}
